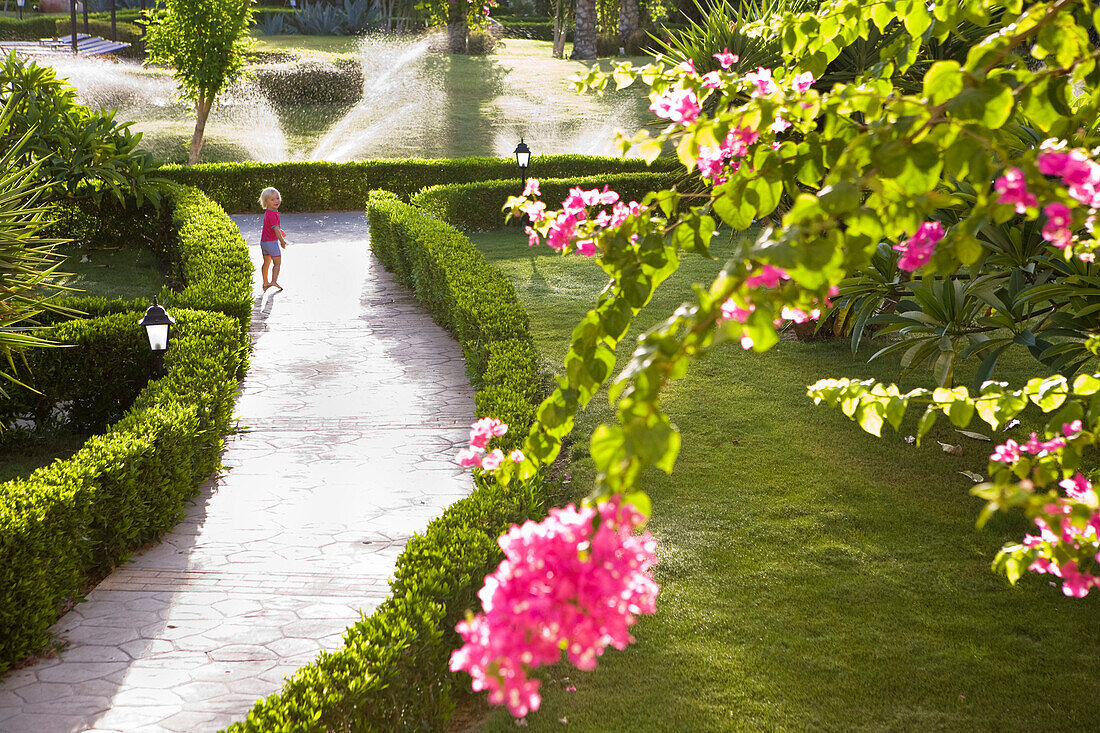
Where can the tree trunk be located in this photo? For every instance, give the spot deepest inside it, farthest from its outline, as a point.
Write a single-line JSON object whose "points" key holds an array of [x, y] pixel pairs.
{"points": [[629, 21], [584, 32], [561, 25], [456, 36], [202, 111]]}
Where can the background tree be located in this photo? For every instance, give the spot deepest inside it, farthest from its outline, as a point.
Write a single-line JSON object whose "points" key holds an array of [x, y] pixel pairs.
{"points": [[629, 20], [204, 42]]}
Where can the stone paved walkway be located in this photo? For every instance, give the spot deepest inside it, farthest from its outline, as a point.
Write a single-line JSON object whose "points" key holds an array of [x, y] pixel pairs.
{"points": [[356, 402]]}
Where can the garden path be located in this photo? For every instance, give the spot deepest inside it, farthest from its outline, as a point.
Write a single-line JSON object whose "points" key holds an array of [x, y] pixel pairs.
{"points": [[355, 404]]}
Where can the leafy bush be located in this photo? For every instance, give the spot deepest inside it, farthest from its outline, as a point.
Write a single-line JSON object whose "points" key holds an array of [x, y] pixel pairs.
{"points": [[345, 186], [275, 24], [311, 82], [480, 42], [477, 206], [100, 156], [28, 29], [539, 30], [124, 487], [391, 674]]}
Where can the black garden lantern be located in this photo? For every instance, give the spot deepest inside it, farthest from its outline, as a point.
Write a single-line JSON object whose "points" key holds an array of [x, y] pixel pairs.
{"points": [[156, 323], [523, 159]]}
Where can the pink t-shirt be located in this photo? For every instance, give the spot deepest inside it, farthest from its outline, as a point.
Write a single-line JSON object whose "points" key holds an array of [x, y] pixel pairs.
{"points": [[271, 220]]}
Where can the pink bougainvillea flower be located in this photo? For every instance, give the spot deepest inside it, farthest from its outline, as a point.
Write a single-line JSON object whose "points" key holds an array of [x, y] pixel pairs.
{"points": [[1012, 187], [762, 82], [532, 187], [1069, 429], [1076, 584], [747, 342], [575, 204], [516, 456], [532, 237], [725, 58], [586, 247], [797, 315], [536, 211], [468, 457], [492, 461], [1079, 488], [688, 67], [804, 81], [1056, 229], [1009, 452], [737, 142], [575, 582], [780, 124], [917, 250], [711, 162], [1072, 167], [712, 80], [731, 311], [677, 106], [561, 231], [769, 277], [608, 197], [1036, 446]]}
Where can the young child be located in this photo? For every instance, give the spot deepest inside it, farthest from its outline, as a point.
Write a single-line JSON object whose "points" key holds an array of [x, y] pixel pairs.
{"points": [[272, 237]]}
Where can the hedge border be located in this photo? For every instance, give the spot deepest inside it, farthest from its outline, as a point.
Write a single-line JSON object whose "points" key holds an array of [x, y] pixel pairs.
{"points": [[77, 518], [392, 674], [325, 186]]}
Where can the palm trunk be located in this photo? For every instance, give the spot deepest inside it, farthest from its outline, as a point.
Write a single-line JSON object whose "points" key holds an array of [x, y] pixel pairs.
{"points": [[584, 32], [561, 23], [202, 112], [629, 20]]}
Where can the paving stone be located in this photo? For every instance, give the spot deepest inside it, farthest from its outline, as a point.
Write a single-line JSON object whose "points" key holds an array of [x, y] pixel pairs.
{"points": [[357, 403]]}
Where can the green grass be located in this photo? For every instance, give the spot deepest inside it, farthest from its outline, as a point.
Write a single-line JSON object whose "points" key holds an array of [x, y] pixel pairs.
{"points": [[112, 273], [297, 42], [812, 576], [24, 456]]}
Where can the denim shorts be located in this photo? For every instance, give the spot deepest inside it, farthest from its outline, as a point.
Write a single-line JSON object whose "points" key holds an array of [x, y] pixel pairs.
{"points": [[271, 249]]}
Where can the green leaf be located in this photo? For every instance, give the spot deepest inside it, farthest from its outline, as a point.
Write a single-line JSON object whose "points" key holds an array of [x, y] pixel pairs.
{"points": [[927, 420], [943, 81], [989, 102]]}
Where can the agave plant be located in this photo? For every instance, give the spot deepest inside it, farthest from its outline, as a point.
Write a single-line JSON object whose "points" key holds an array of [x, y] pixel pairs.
{"points": [[274, 24], [361, 15], [319, 19]]}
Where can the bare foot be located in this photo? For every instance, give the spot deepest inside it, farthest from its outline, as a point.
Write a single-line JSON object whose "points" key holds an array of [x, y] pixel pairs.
{"points": [[266, 286], [277, 286]]}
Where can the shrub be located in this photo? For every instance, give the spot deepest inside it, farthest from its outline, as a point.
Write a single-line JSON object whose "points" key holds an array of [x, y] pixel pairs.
{"points": [[345, 186], [391, 674], [311, 82], [123, 488], [79, 516], [477, 206], [28, 29], [480, 42], [539, 30]]}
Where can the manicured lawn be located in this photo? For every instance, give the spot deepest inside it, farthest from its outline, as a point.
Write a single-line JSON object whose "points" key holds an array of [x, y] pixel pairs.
{"points": [[813, 576], [112, 273]]}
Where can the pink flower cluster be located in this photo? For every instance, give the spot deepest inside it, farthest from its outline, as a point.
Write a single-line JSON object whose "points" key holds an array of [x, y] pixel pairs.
{"points": [[481, 432], [1080, 175], [678, 105], [1076, 535], [713, 161], [917, 250], [769, 276], [1012, 187], [575, 581], [1056, 229], [1010, 451], [563, 228]]}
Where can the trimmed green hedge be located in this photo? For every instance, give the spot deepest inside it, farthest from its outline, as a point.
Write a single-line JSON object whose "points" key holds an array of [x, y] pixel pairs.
{"points": [[391, 674], [345, 186], [31, 28], [80, 516], [477, 206]]}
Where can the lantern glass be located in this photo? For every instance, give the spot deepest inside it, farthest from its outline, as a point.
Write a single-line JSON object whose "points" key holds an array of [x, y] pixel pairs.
{"points": [[158, 336], [523, 154]]}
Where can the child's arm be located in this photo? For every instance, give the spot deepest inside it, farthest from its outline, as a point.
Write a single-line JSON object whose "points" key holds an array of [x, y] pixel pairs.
{"points": [[281, 235]]}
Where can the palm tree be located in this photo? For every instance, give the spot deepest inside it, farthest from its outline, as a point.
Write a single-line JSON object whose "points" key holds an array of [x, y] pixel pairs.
{"points": [[584, 32]]}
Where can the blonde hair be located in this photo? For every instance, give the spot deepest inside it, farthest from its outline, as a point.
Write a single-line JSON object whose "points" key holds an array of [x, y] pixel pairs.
{"points": [[266, 194]]}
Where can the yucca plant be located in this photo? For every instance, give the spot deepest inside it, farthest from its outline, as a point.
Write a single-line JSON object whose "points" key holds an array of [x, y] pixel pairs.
{"points": [[319, 19], [274, 24], [29, 277]]}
